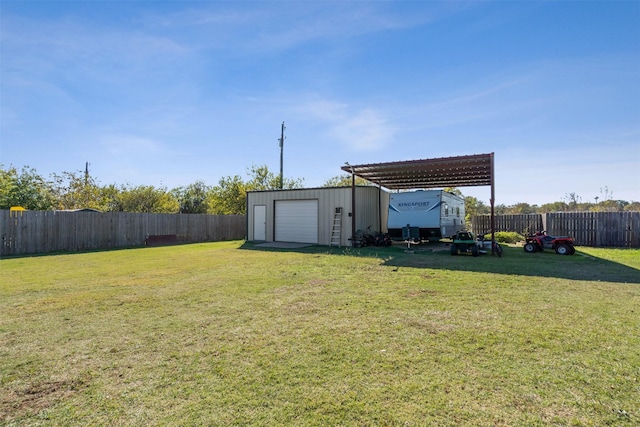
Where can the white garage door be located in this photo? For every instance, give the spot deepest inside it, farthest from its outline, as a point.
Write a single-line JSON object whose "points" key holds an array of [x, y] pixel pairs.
{"points": [[296, 221]]}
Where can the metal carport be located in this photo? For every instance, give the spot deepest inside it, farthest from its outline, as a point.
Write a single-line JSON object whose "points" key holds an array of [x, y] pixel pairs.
{"points": [[461, 171]]}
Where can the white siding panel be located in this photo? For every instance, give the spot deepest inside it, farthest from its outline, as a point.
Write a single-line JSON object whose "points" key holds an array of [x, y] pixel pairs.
{"points": [[296, 221]]}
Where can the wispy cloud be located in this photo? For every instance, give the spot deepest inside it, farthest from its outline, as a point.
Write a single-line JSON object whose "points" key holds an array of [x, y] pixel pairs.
{"points": [[133, 147], [476, 102], [356, 128], [364, 130], [270, 27], [82, 42]]}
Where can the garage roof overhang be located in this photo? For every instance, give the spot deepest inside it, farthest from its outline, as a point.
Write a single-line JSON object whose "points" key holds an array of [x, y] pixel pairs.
{"points": [[461, 171]]}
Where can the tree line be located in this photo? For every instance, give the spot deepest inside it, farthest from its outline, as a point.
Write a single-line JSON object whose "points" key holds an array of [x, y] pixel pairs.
{"points": [[571, 203], [81, 190]]}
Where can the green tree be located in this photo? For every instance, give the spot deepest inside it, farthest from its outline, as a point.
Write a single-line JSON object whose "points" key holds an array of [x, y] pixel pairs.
{"points": [[554, 207], [500, 209], [573, 200], [473, 206], [610, 205], [262, 179], [522, 209], [584, 207], [25, 188], [455, 191], [344, 180], [632, 207], [78, 190], [192, 199], [228, 197], [148, 199]]}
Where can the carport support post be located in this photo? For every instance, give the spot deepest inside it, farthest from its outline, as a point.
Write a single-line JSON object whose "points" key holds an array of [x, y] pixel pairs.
{"points": [[493, 216], [379, 208], [353, 208]]}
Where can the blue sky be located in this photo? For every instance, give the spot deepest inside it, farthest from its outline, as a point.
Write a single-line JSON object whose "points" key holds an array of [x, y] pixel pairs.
{"points": [[168, 93]]}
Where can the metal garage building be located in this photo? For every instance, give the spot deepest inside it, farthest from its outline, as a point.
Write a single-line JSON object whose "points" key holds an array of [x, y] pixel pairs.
{"points": [[315, 215], [326, 216]]}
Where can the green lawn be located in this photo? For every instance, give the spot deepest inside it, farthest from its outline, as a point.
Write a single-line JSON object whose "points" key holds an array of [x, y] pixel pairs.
{"points": [[228, 334]]}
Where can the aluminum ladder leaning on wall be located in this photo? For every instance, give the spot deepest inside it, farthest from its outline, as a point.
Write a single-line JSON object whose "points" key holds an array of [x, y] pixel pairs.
{"points": [[336, 228]]}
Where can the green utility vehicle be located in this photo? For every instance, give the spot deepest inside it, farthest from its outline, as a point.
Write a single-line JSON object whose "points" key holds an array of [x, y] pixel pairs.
{"points": [[464, 242]]}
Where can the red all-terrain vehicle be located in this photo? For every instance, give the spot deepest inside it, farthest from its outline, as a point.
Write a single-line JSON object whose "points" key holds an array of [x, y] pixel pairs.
{"points": [[541, 241]]}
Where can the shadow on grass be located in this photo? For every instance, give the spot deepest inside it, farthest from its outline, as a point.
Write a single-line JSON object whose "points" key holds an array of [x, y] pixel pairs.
{"points": [[89, 251], [581, 266]]}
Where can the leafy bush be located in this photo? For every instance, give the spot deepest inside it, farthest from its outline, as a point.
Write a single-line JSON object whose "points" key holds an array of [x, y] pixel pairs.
{"points": [[509, 237], [506, 237]]}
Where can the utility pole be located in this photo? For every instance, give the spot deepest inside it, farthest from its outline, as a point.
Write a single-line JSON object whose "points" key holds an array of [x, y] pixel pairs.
{"points": [[281, 155]]}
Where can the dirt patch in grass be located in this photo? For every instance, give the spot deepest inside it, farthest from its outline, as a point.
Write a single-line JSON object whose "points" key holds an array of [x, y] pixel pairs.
{"points": [[36, 397], [422, 293]]}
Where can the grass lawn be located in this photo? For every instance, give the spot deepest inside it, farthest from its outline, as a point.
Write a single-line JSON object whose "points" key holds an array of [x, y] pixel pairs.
{"points": [[229, 334]]}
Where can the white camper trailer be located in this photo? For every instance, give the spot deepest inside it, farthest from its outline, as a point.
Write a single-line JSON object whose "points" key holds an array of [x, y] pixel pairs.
{"points": [[436, 213]]}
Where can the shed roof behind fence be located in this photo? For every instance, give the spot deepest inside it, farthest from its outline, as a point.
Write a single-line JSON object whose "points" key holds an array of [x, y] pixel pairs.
{"points": [[461, 171]]}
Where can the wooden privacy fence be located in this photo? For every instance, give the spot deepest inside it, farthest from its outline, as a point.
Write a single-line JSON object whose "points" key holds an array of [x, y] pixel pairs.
{"points": [[522, 224], [30, 232], [609, 229]]}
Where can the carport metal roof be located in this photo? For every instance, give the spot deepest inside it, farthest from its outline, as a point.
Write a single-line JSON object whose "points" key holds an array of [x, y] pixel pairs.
{"points": [[462, 171]]}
